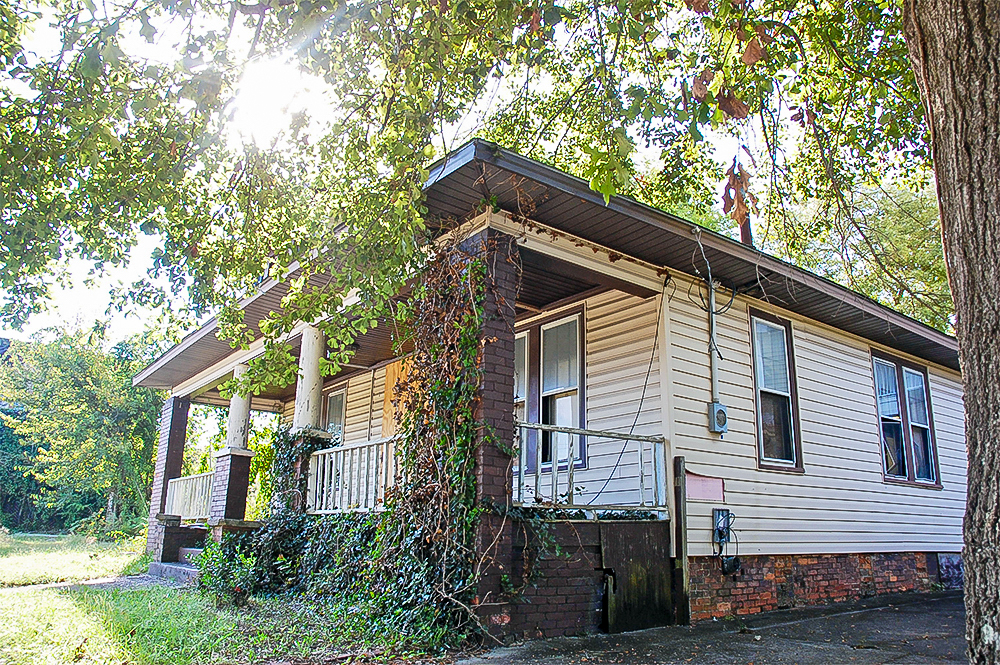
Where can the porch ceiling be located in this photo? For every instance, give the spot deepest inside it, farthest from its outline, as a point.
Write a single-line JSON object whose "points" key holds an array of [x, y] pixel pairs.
{"points": [[548, 282]]}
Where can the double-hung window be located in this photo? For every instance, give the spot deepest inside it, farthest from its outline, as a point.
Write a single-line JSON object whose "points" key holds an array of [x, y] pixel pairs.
{"points": [[335, 414], [903, 405], [560, 386], [774, 379], [548, 388]]}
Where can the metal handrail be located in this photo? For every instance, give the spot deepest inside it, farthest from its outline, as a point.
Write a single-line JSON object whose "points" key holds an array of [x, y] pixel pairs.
{"points": [[657, 455]]}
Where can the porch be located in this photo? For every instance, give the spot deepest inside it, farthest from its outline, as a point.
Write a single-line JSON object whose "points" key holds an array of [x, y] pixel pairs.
{"points": [[570, 395]]}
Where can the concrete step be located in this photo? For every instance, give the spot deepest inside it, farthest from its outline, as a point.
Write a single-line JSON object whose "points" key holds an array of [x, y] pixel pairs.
{"points": [[182, 572], [188, 554]]}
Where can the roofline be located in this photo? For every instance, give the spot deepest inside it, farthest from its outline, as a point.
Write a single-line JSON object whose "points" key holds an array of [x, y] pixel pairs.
{"points": [[194, 336], [481, 150]]}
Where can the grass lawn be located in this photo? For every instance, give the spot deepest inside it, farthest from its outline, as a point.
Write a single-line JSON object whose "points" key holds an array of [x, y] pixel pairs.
{"points": [[26, 559], [152, 624], [159, 625]]}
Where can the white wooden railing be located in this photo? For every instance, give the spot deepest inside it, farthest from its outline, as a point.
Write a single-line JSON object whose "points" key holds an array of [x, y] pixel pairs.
{"points": [[190, 496], [633, 477], [352, 477]]}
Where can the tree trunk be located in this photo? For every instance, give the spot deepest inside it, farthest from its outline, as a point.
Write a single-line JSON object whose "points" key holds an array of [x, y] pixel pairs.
{"points": [[955, 51]]}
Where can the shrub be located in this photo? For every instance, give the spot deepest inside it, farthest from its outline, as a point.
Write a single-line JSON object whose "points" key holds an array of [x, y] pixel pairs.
{"points": [[228, 570]]}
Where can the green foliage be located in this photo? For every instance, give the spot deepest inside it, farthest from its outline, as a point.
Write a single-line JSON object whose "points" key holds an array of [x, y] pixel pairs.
{"points": [[890, 250], [406, 575], [228, 571], [93, 432], [817, 98], [17, 488]]}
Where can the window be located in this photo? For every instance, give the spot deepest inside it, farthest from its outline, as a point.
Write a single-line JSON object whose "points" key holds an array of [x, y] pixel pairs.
{"points": [[335, 413], [548, 388], [908, 451], [520, 375], [777, 404], [560, 386]]}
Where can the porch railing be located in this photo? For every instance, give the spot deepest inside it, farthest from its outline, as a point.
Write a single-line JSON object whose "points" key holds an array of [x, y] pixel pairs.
{"points": [[632, 478], [352, 477], [190, 496]]}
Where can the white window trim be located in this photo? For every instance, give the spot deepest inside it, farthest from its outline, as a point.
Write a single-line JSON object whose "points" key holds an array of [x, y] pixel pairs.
{"points": [[326, 410], [925, 426], [577, 319], [898, 419], [526, 369], [794, 462]]}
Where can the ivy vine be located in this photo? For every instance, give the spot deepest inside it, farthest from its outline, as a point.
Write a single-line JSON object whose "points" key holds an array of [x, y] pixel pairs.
{"points": [[406, 574]]}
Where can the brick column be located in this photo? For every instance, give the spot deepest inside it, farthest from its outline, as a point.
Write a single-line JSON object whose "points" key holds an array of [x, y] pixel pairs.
{"points": [[169, 454], [496, 409], [230, 484], [496, 406]]}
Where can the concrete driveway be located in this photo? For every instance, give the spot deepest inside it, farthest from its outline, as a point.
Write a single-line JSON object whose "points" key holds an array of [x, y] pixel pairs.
{"points": [[912, 628]]}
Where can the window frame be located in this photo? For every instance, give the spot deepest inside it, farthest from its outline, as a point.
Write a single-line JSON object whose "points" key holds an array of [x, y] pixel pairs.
{"points": [[533, 387], [903, 365], [767, 463]]}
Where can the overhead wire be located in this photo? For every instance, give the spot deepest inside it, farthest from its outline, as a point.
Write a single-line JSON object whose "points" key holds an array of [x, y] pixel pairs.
{"points": [[642, 395]]}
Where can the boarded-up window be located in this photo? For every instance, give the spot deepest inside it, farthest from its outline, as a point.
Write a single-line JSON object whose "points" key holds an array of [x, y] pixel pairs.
{"points": [[394, 373]]}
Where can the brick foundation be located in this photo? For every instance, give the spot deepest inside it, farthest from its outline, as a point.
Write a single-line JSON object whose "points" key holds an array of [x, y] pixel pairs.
{"points": [[773, 582], [567, 594]]}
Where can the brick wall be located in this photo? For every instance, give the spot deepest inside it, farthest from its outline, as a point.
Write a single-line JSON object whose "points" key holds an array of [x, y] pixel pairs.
{"points": [[175, 537], [230, 484], [566, 596], [169, 455], [773, 582], [496, 409]]}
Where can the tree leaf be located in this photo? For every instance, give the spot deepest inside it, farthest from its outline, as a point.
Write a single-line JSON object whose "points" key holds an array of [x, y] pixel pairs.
{"points": [[754, 52], [733, 106]]}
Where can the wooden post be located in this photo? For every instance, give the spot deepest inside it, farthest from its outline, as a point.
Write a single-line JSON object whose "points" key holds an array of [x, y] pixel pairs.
{"points": [[309, 388], [681, 573], [238, 425]]}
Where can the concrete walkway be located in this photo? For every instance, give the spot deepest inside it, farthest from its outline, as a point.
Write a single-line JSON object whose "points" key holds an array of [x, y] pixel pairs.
{"points": [[118, 582], [911, 629]]}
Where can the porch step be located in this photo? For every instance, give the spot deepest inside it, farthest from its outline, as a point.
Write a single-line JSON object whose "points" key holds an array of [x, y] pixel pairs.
{"points": [[182, 572], [188, 554]]}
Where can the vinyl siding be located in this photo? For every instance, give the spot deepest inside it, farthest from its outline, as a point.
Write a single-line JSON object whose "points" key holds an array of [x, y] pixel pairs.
{"points": [[619, 346], [618, 342], [361, 409], [841, 503]]}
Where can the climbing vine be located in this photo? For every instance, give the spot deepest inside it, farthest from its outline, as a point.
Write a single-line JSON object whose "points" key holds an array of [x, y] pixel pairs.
{"points": [[408, 573]]}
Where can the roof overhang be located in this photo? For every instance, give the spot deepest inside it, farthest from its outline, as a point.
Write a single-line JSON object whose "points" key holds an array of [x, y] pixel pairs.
{"points": [[478, 171]]}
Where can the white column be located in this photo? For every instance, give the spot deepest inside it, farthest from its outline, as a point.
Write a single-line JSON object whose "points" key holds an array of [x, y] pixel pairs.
{"points": [[238, 426], [309, 387]]}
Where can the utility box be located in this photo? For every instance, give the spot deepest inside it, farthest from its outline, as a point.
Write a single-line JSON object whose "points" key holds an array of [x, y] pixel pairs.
{"points": [[718, 418]]}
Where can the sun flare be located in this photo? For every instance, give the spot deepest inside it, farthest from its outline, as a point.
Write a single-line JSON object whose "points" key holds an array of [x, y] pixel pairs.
{"points": [[270, 93]]}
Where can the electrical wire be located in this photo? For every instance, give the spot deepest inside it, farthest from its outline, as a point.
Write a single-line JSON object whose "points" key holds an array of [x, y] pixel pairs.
{"points": [[642, 395]]}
